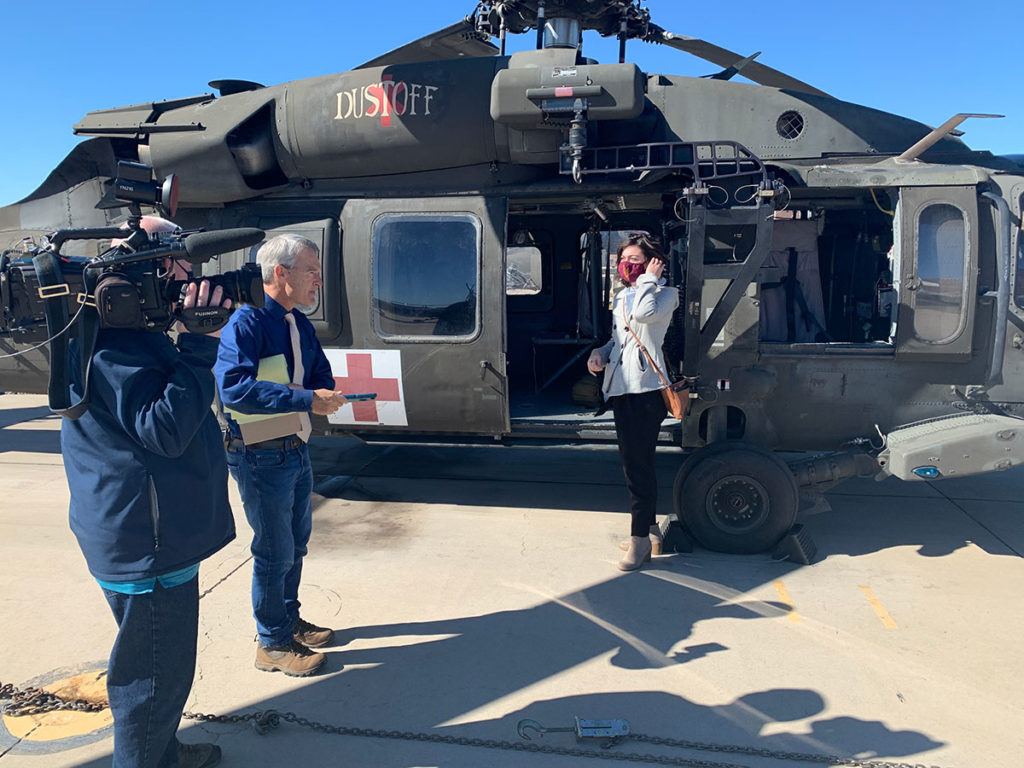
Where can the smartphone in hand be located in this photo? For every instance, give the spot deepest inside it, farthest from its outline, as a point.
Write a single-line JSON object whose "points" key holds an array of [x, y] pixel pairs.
{"points": [[363, 396]]}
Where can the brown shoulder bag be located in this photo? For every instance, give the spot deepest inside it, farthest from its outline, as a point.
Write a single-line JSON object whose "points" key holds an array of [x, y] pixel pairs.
{"points": [[676, 396]]}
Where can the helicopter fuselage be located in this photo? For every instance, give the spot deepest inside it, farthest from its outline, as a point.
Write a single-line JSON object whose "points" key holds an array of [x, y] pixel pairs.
{"points": [[468, 213]]}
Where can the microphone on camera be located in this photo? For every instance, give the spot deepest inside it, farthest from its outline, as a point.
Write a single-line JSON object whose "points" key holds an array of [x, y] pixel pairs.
{"points": [[202, 246]]}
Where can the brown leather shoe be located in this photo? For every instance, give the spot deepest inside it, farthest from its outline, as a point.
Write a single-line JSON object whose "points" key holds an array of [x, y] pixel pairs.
{"points": [[312, 636], [294, 659]]}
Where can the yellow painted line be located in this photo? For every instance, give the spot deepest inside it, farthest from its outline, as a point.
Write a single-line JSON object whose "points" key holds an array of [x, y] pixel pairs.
{"points": [[878, 608], [792, 615]]}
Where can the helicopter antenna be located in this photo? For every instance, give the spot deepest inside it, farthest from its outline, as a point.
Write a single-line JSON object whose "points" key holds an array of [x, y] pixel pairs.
{"points": [[623, 36], [729, 72], [933, 137], [540, 24]]}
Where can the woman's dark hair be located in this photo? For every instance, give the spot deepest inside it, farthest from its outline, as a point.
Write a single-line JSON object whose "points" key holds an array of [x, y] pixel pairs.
{"points": [[648, 244]]}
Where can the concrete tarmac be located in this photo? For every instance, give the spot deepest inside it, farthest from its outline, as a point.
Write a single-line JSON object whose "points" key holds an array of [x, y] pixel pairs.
{"points": [[473, 587]]}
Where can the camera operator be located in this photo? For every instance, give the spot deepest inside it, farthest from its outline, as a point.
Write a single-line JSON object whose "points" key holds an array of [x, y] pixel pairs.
{"points": [[149, 500]]}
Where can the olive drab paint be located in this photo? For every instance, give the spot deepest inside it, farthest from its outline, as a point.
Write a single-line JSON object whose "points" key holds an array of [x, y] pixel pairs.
{"points": [[843, 272]]}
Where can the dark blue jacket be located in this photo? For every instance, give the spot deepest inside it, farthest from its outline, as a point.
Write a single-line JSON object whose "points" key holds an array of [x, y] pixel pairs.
{"points": [[253, 334], [146, 464]]}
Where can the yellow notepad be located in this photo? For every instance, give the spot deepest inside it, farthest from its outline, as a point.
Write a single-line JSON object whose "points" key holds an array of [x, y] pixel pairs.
{"points": [[257, 427]]}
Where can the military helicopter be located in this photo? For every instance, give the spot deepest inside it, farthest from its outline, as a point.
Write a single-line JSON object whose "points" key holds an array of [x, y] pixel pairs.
{"points": [[849, 277]]}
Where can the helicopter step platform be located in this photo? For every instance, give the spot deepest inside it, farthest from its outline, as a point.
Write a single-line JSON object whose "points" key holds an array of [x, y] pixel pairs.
{"points": [[545, 419], [954, 446]]}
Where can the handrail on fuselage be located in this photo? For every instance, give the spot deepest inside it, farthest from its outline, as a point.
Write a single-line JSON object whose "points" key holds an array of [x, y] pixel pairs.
{"points": [[995, 372]]}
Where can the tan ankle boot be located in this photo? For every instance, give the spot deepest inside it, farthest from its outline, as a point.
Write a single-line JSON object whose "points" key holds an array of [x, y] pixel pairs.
{"points": [[294, 659], [639, 552], [657, 542], [312, 636]]}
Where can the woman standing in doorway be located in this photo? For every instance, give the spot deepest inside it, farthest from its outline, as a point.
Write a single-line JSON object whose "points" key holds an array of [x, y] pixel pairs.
{"points": [[640, 315]]}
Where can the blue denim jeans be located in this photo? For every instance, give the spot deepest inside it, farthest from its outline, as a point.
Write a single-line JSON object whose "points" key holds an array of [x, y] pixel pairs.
{"points": [[276, 487], [150, 672]]}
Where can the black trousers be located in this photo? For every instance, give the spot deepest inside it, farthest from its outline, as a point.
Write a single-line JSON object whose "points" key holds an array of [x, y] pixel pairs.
{"points": [[637, 421]]}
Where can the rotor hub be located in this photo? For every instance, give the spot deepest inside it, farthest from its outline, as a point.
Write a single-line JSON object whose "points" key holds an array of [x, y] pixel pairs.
{"points": [[606, 18]]}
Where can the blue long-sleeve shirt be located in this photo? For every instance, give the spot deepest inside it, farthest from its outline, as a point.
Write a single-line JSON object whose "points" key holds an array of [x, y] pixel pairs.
{"points": [[253, 334]]}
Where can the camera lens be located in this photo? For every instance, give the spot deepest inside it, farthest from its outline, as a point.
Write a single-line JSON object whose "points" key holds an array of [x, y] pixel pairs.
{"points": [[242, 286]]}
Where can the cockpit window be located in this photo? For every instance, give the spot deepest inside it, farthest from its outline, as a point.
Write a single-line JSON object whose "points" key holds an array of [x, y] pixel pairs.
{"points": [[942, 246], [426, 276]]}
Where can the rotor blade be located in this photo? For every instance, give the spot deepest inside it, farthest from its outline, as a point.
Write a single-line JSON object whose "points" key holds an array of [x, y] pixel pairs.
{"points": [[723, 57], [460, 39]]}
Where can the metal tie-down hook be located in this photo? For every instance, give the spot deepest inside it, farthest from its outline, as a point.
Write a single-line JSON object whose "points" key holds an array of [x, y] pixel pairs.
{"points": [[610, 731], [525, 726]]}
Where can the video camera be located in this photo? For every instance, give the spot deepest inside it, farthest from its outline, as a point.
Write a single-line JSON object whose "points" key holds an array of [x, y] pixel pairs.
{"points": [[128, 286], [44, 294]]}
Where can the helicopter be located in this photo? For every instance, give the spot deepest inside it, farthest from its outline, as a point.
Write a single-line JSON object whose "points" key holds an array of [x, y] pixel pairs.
{"points": [[848, 277]]}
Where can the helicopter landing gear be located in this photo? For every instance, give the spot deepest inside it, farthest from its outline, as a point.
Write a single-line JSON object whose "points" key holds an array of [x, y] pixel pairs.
{"points": [[736, 497]]}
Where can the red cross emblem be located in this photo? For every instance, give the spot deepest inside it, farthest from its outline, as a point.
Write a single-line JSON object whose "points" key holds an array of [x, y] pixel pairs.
{"points": [[361, 379]]}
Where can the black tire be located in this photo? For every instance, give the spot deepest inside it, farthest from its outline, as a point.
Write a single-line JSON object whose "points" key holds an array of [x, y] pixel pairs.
{"points": [[736, 497]]}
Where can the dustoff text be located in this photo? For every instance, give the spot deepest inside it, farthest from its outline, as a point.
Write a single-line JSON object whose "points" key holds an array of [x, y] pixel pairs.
{"points": [[384, 99]]}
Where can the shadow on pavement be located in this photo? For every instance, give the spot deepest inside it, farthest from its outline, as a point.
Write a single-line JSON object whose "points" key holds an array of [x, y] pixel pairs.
{"points": [[31, 440], [432, 677], [866, 516]]}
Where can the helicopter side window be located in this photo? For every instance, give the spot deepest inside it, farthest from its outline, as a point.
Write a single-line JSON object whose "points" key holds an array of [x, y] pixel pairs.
{"points": [[523, 271], [426, 270], [939, 303], [529, 264]]}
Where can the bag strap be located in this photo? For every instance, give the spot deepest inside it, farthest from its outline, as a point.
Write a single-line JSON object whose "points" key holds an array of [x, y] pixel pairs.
{"points": [[642, 347], [53, 289]]}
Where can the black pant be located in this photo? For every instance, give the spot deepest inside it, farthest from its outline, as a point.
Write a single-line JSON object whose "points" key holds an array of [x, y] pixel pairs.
{"points": [[637, 421]]}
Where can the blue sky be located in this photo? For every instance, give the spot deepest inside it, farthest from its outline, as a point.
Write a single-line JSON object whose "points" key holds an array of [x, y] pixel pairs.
{"points": [[923, 60]]}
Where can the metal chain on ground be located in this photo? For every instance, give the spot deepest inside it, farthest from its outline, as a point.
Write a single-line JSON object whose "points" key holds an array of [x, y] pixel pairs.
{"points": [[36, 701], [262, 721], [806, 757]]}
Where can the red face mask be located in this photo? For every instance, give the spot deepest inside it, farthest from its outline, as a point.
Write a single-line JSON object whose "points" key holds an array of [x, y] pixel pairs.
{"points": [[629, 271]]}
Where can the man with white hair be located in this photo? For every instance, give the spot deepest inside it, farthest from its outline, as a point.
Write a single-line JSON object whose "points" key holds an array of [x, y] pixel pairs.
{"points": [[274, 475]]}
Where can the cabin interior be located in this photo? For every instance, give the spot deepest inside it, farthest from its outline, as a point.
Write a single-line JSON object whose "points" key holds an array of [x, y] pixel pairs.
{"points": [[827, 281]]}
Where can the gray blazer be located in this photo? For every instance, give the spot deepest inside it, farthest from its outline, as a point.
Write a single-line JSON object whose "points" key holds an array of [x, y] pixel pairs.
{"points": [[628, 370]]}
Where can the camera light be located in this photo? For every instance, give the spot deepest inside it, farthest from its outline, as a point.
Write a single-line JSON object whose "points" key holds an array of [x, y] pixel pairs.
{"points": [[169, 195], [134, 184]]}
